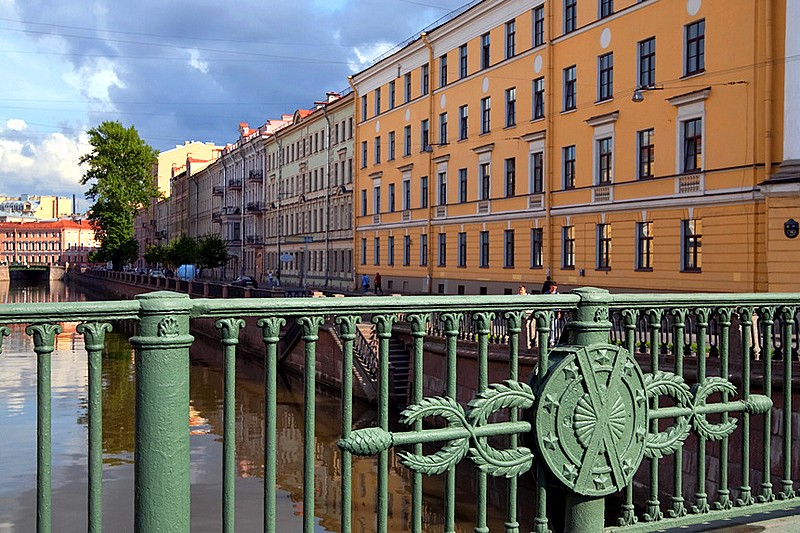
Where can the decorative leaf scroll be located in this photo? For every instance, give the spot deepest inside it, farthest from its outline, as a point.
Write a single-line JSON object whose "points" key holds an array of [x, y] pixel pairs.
{"points": [[694, 402], [4, 332], [509, 463]]}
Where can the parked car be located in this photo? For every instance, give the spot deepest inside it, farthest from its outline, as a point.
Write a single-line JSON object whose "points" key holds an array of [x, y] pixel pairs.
{"points": [[157, 273], [245, 281]]}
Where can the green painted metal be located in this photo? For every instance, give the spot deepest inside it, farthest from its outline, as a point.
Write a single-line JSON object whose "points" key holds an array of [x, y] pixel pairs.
{"points": [[310, 325], [270, 329], [161, 470], [229, 333], [94, 335], [347, 328], [419, 324]]}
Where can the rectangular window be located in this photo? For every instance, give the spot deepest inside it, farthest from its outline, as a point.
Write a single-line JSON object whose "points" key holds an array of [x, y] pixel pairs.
{"points": [[692, 145], [406, 195], [647, 63], [376, 199], [605, 77], [462, 185], [538, 98], [442, 188], [407, 136], [390, 251], [391, 197], [695, 48], [484, 250], [424, 79], [606, 8], [605, 158], [443, 128], [603, 246], [442, 261], [692, 240], [511, 38], [486, 114], [644, 246], [508, 248], [537, 240], [364, 107], [406, 250], [486, 45], [423, 191], [462, 249], [392, 94], [463, 116], [511, 107], [568, 166], [645, 153], [568, 247], [443, 70], [538, 26], [407, 81], [570, 15], [485, 173], [363, 251], [376, 256], [423, 249], [424, 128], [511, 177], [363, 154], [537, 172], [570, 87], [377, 101], [390, 155], [377, 150], [462, 61]]}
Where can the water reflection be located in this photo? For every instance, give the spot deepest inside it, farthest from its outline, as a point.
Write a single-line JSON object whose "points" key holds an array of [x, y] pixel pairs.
{"points": [[69, 397]]}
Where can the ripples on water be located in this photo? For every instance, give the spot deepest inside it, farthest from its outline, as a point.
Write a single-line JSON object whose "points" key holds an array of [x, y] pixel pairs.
{"points": [[69, 434]]}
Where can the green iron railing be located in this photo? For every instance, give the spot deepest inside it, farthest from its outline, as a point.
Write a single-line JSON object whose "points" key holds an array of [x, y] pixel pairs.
{"points": [[606, 413]]}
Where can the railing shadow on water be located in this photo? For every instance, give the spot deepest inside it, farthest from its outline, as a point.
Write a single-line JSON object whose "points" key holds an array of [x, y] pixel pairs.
{"points": [[651, 411]]}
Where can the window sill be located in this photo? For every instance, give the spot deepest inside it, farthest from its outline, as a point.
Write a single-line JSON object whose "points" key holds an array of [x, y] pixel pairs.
{"points": [[603, 269], [695, 74], [691, 270], [568, 111], [568, 267], [604, 100], [540, 267]]}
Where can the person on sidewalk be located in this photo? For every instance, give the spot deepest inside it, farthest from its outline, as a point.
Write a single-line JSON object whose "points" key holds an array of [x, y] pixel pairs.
{"points": [[378, 287], [365, 283]]}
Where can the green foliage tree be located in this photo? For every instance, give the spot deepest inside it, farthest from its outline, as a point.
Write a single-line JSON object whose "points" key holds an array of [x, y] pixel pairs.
{"points": [[120, 175], [155, 254], [212, 252], [182, 251]]}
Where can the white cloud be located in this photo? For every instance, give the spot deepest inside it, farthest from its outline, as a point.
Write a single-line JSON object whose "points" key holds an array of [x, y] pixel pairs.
{"points": [[364, 56], [195, 61], [16, 124], [95, 79]]}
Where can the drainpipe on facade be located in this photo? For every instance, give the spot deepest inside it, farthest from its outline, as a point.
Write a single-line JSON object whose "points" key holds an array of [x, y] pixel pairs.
{"points": [[431, 181], [241, 218], [548, 140], [278, 200], [353, 261], [327, 191]]}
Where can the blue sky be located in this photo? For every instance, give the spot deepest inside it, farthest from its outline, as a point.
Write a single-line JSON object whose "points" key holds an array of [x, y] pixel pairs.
{"points": [[176, 71]]}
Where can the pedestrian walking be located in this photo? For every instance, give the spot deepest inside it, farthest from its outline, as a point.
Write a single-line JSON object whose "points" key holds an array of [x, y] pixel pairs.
{"points": [[270, 279], [365, 283], [378, 287]]}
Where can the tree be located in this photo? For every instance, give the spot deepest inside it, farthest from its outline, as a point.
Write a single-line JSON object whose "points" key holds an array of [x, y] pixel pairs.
{"points": [[212, 252], [155, 254], [120, 170], [182, 251]]}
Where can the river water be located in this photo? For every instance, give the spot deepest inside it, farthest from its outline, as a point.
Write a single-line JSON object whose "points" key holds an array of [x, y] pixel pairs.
{"points": [[69, 437]]}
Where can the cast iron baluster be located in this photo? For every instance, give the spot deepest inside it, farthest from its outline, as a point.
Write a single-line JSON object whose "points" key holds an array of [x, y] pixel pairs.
{"points": [[701, 497], [347, 329], [767, 316], [44, 336], [543, 320], [94, 338], [310, 325], [484, 322], [653, 507], [451, 323], [418, 323], [383, 327], [746, 320], [229, 331], [629, 317], [724, 493], [678, 506], [4, 332], [787, 319], [514, 321], [271, 331]]}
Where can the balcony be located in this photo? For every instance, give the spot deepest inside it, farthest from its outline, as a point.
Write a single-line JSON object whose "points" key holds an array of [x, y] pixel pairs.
{"points": [[254, 239], [216, 217], [234, 184], [161, 234], [218, 190], [254, 207], [255, 175]]}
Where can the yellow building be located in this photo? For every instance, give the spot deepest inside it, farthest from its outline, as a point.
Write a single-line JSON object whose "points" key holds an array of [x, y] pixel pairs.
{"points": [[622, 144]]}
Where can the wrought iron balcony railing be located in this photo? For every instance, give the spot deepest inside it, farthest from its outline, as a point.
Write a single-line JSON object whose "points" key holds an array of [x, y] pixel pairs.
{"points": [[702, 379], [234, 183]]}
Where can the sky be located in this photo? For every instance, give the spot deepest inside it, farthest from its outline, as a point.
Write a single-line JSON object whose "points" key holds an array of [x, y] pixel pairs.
{"points": [[177, 71]]}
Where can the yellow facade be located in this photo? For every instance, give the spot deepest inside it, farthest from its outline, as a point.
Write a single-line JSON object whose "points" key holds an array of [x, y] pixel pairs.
{"points": [[676, 118]]}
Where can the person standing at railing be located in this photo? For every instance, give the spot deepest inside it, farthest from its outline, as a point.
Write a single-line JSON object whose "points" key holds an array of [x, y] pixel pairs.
{"points": [[546, 286], [522, 289], [553, 289]]}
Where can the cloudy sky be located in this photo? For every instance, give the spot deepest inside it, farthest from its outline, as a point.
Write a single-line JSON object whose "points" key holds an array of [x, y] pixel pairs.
{"points": [[175, 70]]}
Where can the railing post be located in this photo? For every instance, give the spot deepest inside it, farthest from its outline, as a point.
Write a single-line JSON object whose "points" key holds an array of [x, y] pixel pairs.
{"points": [[161, 471]]}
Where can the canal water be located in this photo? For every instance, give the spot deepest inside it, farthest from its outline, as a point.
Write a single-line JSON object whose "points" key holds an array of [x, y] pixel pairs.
{"points": [[69, 453]]}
